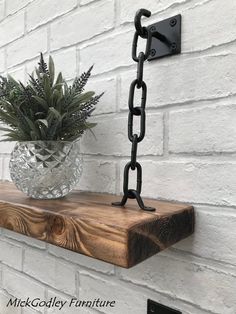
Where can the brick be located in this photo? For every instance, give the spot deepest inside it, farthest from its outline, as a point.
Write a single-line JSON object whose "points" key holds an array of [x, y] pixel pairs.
{"points": [[2, 9], [30, 311], [219, 32], [11, 254], [6, 171], [82, 260], [20, 286], [2, 61], [189, 181], [193, 83], [52, 271], [16, 5], [1, 168], [27, 47], [203, 130], [203, 280], [84, 2], [128, 9], [94, 287], [65, 62], [4, 298], [42, 11], [24, 239], [18, 73], [66, 309], [115, 142], [111, 53], [63, 31], [5, 147], [213, 236], [129, 298], [98, 176], [30, 66], [11, 28], [107, 103]]}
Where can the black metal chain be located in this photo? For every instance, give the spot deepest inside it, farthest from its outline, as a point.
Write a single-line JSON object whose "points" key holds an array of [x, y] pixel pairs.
{"points": [[137, 111]]}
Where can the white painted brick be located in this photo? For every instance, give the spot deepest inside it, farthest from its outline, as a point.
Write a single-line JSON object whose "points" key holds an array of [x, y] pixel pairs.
{"points": [[111, 52], [28, 47], [189, 181], [107, 103], [111, 136], [6, 171], [16, 5], [2, 60], [128, 8], [84, 2], [31, 65], [4, 299], [2, 9], [82, 260], [30, 311], [65, 62], [11, 254], [1, 168], [210, 129], [219, 32], [42, 11], [129, 298], [92, 286], [188, 281], [52, 271], [20, 286], [185, 80], [213, 236], [11, 28], [98, 176], [66, 309], [5, 147], [18, 73], [75, 27], [24, 239]]}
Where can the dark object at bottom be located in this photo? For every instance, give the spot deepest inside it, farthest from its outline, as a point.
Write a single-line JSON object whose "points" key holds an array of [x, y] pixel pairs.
{"points": [[157, 308]]}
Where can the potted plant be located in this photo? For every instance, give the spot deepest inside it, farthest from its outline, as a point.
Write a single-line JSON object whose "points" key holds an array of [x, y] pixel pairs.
{"points": [[46, 117]]}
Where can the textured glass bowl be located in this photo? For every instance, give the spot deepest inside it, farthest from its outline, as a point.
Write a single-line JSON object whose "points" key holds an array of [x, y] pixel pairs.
{"points": [[45, 169]]}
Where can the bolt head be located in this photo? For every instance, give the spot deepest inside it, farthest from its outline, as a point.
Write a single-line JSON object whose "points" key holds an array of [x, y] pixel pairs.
{"points": [[173, 22], [152, 52], [173, 47], [152, 29]]}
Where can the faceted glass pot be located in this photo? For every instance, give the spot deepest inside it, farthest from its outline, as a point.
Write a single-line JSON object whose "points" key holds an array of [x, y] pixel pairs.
{"points": [[46, 169]]}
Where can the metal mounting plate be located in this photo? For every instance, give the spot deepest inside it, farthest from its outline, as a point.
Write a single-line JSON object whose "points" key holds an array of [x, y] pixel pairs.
{"points": [[156, 308], [171, 29]]}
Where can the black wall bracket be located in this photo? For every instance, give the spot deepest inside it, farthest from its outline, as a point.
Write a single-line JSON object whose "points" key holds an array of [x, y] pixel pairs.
{"points": [[157, 308], [166, 38]]}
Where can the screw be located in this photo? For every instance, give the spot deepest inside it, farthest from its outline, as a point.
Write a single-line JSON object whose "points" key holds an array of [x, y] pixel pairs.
{"points": [[173, 22], [152, 52], [173, 47], [152, 29]]}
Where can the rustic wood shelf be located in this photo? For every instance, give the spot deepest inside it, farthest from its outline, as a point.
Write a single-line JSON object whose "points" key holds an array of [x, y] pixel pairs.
{"points": [[87, 223]]}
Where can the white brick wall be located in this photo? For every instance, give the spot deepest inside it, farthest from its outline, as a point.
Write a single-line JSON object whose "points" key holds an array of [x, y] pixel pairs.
{"points": [[188, 154]]}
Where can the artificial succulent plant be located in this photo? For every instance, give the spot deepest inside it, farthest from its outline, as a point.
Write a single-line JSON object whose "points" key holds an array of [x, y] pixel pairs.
{"points": [[45, 108]]}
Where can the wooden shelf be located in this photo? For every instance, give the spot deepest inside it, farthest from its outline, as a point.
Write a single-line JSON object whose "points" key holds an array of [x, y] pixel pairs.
{"points": [[87, 223]]}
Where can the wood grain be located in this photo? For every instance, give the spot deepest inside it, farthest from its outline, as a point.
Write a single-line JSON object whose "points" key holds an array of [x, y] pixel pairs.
{"points": [[87, 223]]}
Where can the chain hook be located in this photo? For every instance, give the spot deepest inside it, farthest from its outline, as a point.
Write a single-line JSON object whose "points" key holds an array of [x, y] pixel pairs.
{"points": [[142, 31]]}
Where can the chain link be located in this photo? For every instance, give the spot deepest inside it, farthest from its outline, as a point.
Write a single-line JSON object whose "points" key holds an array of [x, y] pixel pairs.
{"points": [[137, 111]]}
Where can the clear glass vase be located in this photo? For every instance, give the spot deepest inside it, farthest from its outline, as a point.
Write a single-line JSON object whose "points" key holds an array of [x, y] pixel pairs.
{"points": [[46, 169]]}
